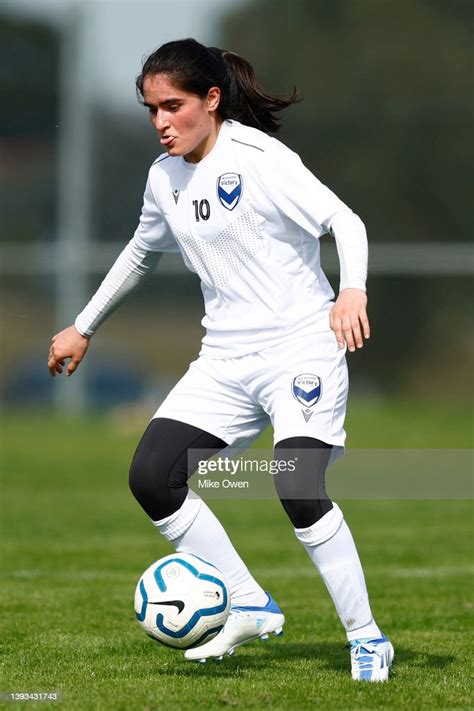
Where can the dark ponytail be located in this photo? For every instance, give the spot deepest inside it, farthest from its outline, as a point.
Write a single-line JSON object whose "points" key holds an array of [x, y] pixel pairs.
{"points": [[196, 69], [246, 100]]}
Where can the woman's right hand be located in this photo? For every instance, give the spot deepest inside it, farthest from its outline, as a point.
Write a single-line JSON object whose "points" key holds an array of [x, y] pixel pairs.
{"points": [[68, 343]]}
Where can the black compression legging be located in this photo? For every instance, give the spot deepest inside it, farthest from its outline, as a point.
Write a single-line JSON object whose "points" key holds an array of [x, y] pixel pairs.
{"points": [[302, 492], [164, 461], [168, 454]]}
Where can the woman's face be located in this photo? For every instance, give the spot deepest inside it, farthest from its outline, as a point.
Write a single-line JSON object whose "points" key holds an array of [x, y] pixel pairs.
{"points": [[188, 124]]}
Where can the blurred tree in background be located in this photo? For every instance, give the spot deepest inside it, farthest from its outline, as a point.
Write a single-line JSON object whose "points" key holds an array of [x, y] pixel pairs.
{"points": [[387, 111], [29, 55], [29, 68]]}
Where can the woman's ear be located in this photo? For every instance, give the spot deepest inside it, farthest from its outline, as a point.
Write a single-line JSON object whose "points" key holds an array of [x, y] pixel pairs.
{"points": [[213, 98]]}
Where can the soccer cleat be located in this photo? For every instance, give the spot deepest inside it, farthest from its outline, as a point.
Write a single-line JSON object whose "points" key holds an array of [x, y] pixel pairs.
{"points": [[244, 624], [371, 659]]}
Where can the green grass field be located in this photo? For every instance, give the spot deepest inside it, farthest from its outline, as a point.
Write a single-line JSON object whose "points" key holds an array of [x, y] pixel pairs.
{"points": [[74, 543]]}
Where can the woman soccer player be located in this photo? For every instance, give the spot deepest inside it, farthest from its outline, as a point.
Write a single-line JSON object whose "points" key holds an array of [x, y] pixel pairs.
{"points": [[246, 216]]}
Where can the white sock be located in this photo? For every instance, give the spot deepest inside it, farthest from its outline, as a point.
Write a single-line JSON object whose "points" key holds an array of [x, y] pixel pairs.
{"points": [[330, 546], [195, 529]]}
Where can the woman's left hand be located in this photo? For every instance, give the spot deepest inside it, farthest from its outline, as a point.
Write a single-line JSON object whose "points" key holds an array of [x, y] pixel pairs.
{"points": [[348, 318]]}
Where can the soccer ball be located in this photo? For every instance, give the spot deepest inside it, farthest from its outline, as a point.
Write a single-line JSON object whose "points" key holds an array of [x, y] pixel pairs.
{"points": [[182, 601]]}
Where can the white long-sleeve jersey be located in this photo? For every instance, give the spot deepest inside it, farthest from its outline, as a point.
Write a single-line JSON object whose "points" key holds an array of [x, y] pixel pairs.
{"points": [[246, 219]]}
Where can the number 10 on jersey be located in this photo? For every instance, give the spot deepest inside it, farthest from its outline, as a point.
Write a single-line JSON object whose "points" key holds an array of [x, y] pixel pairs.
{"points": [[202, 209]]}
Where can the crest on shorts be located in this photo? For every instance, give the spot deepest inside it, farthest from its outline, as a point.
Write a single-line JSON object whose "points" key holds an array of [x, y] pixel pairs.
{"points": [[307, 389], [229, 189]]}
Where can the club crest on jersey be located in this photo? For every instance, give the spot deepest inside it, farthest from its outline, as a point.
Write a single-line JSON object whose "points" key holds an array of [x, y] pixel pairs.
{"points": [[307, 389], [229, 189]]}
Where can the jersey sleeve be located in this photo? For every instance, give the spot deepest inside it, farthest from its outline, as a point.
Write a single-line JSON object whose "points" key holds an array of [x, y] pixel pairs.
{"points": [[139, 259], [352, 249], [131, 266], [153, 233], [299, 195], [296, 191]]}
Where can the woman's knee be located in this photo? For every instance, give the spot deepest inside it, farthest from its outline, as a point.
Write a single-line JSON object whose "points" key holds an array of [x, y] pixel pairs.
{"points": [[301, 483], [156, 461], [164, 460]]}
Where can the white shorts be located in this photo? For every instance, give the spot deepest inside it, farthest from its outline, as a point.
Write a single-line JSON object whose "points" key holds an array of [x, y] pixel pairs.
{"points": [[299, 386]]}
